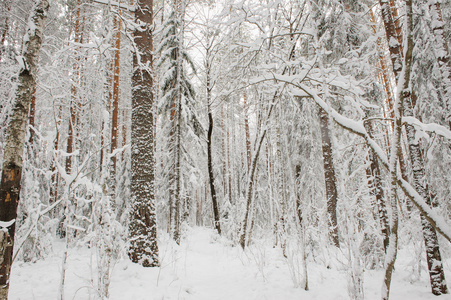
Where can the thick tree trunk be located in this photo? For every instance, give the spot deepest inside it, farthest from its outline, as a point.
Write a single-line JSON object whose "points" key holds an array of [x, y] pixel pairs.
{"points": [[143, 223], [329, 177], [15, 141]]}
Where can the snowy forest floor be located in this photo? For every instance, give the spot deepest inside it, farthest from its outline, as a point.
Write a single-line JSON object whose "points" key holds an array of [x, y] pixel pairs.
{"points": [[208, 267]]}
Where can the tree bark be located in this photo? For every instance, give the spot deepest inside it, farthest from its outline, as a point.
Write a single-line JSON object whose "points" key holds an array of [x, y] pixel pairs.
{"points": [[209, 152], [247, 131], [143, 223], [442, 53], [329, 177], [376, 190], [73, 102], [435, 267], [32, 116], [404, 96], [15, 141], [115, 102]]}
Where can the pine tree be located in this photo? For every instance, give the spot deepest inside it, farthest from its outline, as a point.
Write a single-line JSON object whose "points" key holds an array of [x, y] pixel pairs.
{"points": [[143, 223], [177, 100]]}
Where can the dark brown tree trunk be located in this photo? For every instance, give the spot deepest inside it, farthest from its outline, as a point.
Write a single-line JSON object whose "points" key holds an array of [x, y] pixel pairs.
{"points": [[70, 138], [74, 103], [14, 146], [143, 224], [209, 154], [329, 177], [115, 102]]}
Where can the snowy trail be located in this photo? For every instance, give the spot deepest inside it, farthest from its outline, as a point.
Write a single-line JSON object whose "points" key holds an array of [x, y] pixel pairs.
{"points": [[206, 267]]}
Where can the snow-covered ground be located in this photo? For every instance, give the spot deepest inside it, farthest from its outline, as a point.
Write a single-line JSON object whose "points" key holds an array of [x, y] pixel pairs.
{"points": [[208, 267]]}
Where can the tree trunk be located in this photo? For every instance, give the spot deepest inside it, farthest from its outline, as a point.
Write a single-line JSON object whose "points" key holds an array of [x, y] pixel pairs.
{"points": [[250, 187], [442, 53], [73, 102], [404, 95], [392, 37], [246, 130], [115, 102], [386, 82], [376, 190], [435, 267], [281, 188], [15, 141], [229, 165], [433, 257], [143, 223], [329, 177], [210, 158]]}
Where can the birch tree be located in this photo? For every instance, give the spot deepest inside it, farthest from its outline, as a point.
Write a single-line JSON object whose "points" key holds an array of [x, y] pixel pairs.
{"points": [[438, 283], [14, 147]]}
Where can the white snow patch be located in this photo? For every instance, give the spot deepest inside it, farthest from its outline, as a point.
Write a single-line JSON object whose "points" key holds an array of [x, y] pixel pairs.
{"points": [[205, 266]]}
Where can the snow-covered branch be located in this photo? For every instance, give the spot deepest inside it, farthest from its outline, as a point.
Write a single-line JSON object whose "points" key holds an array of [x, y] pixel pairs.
{"points": [[358, 128], [431, 127]]}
